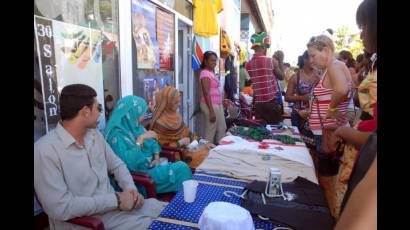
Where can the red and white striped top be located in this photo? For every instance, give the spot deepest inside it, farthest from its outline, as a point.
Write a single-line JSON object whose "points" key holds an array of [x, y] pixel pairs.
{"points": [[323, 96]]}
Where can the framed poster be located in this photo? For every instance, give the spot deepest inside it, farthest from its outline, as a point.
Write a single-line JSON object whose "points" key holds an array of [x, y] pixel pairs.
{"points": [[153, 84], [165, 35], [144, 34], [68, 54]]}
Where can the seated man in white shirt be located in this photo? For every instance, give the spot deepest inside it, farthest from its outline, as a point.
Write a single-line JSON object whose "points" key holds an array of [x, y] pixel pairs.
{"points": [[71, 168]]}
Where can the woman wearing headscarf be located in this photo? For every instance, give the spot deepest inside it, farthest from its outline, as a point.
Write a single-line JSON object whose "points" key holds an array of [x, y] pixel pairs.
{"points": [[171, 130], [138, 147]]}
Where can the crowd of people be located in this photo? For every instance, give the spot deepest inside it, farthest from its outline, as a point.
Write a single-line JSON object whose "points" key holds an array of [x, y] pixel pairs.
{"points": [[333, 98]]}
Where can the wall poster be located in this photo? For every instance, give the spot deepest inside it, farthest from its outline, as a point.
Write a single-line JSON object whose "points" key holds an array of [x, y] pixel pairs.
{"points": [[144, 34], [165, 35], [68, 54]]}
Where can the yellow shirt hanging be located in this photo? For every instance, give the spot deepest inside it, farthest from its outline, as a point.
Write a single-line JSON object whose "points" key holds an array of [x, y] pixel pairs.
{"points": [[206, 16]]}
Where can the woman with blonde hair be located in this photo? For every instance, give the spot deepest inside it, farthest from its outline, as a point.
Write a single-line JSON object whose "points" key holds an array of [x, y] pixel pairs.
{"points": [[330, 97]]}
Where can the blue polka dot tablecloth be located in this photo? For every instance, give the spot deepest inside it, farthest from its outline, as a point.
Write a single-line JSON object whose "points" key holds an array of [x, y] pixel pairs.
{"points": [[180, 215]]}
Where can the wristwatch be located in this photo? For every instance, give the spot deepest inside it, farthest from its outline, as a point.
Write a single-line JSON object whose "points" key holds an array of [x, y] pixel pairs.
{"points": [[118, 201]]}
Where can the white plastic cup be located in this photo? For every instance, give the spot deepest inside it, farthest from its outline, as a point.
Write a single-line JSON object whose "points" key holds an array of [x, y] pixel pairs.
{"points": [[190, 188]]}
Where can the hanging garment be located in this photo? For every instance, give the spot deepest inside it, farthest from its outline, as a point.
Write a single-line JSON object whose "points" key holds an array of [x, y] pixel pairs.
{"points": [[206, 16], [230, 78], [225, 42]]}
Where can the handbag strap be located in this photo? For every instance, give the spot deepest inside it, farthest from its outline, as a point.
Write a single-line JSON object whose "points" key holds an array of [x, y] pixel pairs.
{"points": [[318, 112], [317, 101], [297, 87]]}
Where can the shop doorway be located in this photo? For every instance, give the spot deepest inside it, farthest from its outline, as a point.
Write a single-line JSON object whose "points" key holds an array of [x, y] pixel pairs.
{"points": [[185, 78]]}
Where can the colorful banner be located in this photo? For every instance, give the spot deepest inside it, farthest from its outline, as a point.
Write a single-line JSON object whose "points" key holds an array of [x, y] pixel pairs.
{"points": [[197, 55], [46, 57], [74, 57], [165, 35], [144, 34]]}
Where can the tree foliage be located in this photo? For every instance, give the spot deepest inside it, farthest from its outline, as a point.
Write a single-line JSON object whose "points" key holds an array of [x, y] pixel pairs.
{"points": [[345, 40]]}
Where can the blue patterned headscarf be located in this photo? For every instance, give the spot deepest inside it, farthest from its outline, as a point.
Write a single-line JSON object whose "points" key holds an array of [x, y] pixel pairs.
{"points": [[123, 125], [125, 115]]}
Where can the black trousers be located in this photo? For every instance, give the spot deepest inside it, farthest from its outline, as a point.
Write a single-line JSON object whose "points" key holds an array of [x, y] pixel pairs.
{"points": [[270, 111]]}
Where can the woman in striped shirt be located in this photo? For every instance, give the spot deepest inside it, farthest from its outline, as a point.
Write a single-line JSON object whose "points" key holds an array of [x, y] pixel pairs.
{"points": [[331, 95]]}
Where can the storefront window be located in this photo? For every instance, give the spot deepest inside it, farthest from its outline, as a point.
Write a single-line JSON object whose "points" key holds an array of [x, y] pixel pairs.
{"points": [[77, 42], [153, 31], [183, 7]]}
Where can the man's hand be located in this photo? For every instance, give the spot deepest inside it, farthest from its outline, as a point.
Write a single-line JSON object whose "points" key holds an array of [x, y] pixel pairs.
{"points": [[140, 202], [138, 198], [127, 201], [134, 194], [210, 145]]}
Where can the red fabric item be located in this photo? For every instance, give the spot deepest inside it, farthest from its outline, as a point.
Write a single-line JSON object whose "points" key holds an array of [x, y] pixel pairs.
{"points": [[369, 125], [260, 69], [226, 142]]}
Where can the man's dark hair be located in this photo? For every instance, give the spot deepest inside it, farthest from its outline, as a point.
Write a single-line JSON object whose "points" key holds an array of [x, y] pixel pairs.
{"points": [[286, 64], [366, 15], [73, 98]]}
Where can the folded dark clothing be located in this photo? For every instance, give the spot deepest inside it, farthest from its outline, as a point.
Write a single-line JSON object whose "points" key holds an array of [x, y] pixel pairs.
{"points": [[306, 191], [308, 210]]}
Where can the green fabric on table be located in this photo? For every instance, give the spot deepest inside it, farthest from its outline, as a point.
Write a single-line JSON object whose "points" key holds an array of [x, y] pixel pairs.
{"points": [[261, 133]]}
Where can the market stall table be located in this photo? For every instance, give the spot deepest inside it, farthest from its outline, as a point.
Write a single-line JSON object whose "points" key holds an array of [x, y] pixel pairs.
{"points": [[182, 215]]}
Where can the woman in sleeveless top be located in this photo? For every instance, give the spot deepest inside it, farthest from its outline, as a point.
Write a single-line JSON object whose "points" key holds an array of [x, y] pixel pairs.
{"points": [[331, 95], [300, 89]]}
